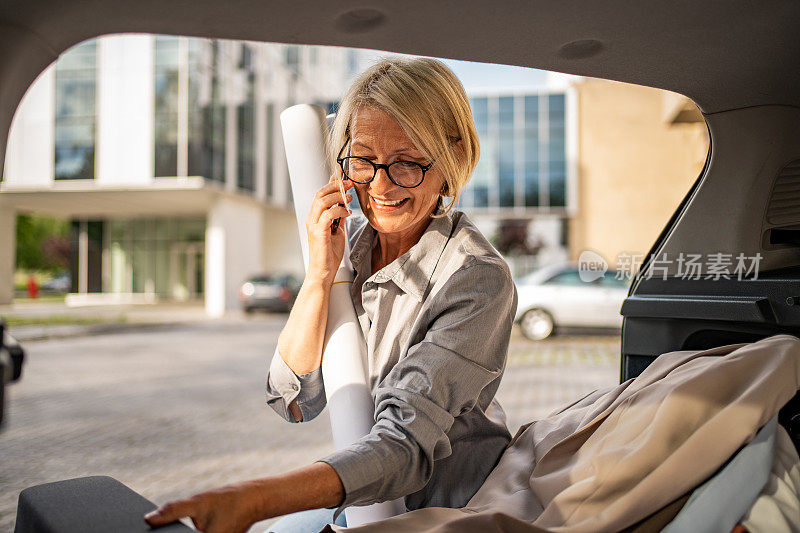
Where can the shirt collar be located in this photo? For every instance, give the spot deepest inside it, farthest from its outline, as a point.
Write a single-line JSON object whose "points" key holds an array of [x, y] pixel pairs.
{"points": [[413, 270]]}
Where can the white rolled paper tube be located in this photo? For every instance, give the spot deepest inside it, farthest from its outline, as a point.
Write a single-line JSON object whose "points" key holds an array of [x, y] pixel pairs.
{"points": [[344, 354]]}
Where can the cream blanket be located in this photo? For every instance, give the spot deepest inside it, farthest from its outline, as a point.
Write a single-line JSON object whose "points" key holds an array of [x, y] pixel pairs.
{"points": [[623, 453]]}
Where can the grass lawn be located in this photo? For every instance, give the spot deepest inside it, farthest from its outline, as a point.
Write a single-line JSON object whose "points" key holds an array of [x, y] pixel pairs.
{"points": [[53, 320], [49, 298]]}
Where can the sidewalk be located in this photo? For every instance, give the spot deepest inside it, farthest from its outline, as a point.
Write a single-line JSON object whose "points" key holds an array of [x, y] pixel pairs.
{"points": [[52, 320]]}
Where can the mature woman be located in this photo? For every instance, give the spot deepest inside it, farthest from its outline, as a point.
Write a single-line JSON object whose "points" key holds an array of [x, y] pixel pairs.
{"points": [[433, 297]]}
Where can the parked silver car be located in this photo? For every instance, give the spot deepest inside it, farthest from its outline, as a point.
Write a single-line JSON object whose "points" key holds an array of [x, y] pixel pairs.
{"points": [[557, 295]]}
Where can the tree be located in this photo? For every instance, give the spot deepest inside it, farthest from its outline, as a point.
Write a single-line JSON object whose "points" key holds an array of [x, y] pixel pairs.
{"points": [[512, 238], [42, 242]]}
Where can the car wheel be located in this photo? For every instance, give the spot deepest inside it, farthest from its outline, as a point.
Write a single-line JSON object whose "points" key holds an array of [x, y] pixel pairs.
{"points": [[537, 324]]}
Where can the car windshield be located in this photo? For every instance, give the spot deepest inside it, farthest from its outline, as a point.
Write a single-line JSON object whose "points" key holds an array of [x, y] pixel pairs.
{"points": [[265, 279]]}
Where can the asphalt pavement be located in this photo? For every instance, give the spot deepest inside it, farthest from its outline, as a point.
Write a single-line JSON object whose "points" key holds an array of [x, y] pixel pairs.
{"points": [[174, 410]]}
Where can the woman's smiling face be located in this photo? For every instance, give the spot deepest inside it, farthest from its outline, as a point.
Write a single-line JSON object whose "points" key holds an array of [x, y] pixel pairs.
{"points": [[378, 136]]}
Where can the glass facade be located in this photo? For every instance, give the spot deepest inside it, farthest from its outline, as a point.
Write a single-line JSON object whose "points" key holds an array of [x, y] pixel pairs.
{"points": [[556, 151], [484, 172], [292, 57], [160, 256], [75, 116], [523, 160], [505, 151], [167, 95], [268, 149], [94, 254], [531, 150], [206, 111], [245, 114]]}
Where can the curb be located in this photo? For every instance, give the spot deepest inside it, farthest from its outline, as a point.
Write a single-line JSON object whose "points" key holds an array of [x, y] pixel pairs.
{"points": [[38, 333], [63, 331]]}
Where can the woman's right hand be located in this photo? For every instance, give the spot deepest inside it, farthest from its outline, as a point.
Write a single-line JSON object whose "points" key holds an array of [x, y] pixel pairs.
{"points": [[325, 250]]}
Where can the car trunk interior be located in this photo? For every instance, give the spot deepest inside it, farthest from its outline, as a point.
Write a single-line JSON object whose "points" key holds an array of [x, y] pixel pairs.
{"points": [[747, 201], [735, 59]]}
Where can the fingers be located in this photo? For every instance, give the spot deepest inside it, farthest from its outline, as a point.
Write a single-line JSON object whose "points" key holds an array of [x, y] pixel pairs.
{"points": [[324, 204], [169, 512], [328, 216], [333, 185]]}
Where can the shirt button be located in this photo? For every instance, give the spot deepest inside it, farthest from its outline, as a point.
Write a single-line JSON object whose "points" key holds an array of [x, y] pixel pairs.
{"points": [[295, 387]]}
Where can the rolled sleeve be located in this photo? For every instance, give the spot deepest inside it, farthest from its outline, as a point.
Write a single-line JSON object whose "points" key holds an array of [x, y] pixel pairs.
{"points": [[440, 378], [284, 387]]}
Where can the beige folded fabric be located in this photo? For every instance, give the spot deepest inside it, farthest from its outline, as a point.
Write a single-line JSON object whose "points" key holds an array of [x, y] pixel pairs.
{"points": [[777, 508], [621, 454]]}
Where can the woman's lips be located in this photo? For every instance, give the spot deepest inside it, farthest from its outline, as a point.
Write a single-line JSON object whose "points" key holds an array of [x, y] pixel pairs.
{"points": [[387, 208]]}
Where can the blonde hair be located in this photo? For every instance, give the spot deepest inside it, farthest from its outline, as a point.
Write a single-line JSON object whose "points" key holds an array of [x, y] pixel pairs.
{"points": [[430, 104]]}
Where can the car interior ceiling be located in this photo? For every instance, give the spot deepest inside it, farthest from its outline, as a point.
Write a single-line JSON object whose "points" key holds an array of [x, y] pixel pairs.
{"points": [[735, 59]]}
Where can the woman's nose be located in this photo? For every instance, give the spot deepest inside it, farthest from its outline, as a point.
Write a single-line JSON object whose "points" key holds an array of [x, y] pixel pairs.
{"points": [[381, 181]]}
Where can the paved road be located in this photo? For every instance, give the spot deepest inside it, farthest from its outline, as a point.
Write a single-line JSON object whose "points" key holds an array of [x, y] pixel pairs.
{"points": [[172, 412]]}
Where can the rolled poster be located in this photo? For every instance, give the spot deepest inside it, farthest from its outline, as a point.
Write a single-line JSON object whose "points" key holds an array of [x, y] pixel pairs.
{"points": [[344, 359]]}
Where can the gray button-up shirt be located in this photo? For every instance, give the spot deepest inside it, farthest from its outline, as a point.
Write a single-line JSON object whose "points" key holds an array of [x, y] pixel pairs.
{"points": [[437, 322]]}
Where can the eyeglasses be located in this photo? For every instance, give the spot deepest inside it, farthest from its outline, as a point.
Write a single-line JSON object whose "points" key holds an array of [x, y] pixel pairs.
{"points": [[406, 174]]}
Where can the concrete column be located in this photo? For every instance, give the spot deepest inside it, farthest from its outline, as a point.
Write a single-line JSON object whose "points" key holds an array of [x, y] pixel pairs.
{"points": [[280, 173], [281, 250], [8, 252], [83, 257], [572, 125], [231, 135], [125, 106], [233, 250]]}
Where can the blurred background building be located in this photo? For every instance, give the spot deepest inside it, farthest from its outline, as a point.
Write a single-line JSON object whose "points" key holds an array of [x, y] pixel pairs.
{"points": [[165, 154], [640, 151]]}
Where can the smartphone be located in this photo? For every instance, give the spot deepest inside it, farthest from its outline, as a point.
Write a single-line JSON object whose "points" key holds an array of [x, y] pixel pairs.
{"points": [[335, 223]]}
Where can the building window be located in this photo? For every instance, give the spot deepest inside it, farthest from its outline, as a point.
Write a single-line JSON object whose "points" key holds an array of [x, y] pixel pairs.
{"points": [[160, 256], [75, 112], [505, 151], [523, 160], [270, 142], [206, 150], [292, 57], [167, 96], [531, 159], [331, 108], [352, 62], [245, 111], [479, 185], [557, 168], [246, 60]]}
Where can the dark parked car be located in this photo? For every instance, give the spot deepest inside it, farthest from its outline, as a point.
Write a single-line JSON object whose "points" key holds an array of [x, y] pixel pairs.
{"points": [[271, 292]]}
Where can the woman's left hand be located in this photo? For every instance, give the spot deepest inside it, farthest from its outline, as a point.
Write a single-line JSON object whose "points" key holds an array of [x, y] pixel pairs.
{"points": [[232, 508]]}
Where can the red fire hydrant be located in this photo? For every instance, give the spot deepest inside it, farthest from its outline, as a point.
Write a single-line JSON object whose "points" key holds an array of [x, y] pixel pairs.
{"points": [[33, 287]]}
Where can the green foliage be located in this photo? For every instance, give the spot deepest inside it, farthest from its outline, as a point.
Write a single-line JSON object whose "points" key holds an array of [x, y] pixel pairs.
{"points": [[42, 243]]}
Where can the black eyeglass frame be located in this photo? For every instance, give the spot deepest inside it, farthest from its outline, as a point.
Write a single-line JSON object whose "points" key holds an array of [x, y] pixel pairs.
{"points": [[377, 166]]}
